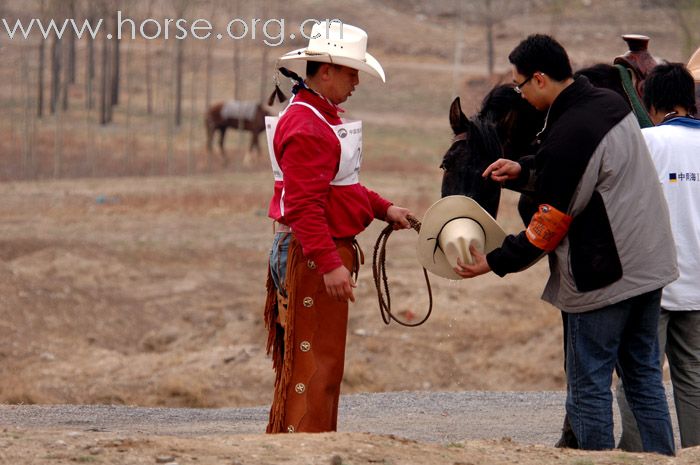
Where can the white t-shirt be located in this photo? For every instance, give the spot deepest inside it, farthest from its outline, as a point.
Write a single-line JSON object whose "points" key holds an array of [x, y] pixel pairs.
{"points": [[675, 151]]}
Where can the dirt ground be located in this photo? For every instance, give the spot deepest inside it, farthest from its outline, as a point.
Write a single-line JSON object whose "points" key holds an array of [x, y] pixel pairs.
{"points": [[149, 290], [51, 447]]}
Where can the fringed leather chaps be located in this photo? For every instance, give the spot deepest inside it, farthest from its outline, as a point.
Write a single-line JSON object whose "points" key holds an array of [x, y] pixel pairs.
{"points": [[308, 350]]}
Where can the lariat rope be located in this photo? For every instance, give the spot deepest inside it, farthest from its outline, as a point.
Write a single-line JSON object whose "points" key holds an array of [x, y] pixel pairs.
{"points": [[382, 283]]}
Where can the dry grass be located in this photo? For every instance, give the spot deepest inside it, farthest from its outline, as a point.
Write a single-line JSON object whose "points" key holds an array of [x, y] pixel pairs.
{"points": [[147, 289]]}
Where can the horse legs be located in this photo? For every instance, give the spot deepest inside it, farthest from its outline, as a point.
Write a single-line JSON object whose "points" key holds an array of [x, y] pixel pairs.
{"points": [[253, 145], [209, 126], [221, 145]]}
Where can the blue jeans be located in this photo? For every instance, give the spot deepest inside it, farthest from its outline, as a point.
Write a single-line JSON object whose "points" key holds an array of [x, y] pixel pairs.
{"points": [[278, 260], [625, 334]]}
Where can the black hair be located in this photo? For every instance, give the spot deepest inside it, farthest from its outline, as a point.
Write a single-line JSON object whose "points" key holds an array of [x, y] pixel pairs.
{"points": [[668, 86], [540, 52], [312, 67]]}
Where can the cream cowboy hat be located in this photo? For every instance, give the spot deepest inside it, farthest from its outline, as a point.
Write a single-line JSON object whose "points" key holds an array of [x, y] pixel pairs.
{"points": [[694, 65], [341, 44], [449, 227]]}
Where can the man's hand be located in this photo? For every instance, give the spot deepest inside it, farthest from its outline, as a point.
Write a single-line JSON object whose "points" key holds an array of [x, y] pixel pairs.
{"points": [[339, 284], [503, 170], [397, 216], [480, 266]]}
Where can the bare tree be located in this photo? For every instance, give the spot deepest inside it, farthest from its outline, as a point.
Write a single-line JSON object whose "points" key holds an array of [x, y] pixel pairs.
{"points": [[191, 165], [57, 12], [70, 62], [459, 47], [209, 62], [28, 127], [55, 73], [115, 68], [147, 57], [105, 95], [264, 81], [41, 68], [66, 71], [90, 64], [236, 55], [491, 14], [129, 139], [180, 10]]}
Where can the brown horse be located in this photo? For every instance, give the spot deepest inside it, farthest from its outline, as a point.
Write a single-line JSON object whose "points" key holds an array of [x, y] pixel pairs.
{"points": [[248, 116]]}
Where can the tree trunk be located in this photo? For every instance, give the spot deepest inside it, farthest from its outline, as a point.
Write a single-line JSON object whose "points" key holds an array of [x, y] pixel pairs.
{"points": [[40, 79], [191, 165], [66, 76], [89, 73], [116, 58], [489, 36], [71, 48], [130, 148], [27, 133], [179, 59], [55, 73], [236, 58], [149, 84], [264, 81], [105, 101]]}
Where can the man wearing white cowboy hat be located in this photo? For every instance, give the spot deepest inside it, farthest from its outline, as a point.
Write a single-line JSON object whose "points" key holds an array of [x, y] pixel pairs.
{"points": [[319, 206]]}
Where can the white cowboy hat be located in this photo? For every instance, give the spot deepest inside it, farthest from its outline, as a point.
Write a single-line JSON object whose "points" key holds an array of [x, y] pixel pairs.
{"points": [[449, 227], [694, 65], [341, 44]]}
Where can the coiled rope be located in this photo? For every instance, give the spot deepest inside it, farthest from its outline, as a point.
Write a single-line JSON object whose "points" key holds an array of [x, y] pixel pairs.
{"points": [[382, 283]]}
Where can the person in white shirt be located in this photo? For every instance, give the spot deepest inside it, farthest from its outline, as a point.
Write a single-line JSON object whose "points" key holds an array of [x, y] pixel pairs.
{"points": [[674, 144]]}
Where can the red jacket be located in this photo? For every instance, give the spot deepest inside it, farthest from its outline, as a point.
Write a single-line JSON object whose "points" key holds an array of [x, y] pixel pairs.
{"points": [[308, 152]]}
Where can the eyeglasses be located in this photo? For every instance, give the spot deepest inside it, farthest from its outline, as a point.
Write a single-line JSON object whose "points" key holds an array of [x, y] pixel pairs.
{"points": [[518, 87]]}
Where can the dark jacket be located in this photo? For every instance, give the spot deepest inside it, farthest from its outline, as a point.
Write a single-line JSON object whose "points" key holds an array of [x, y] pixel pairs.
{"points": [[593, 166]]}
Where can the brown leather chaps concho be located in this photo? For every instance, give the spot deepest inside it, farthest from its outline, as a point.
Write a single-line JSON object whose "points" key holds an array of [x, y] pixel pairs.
{"points": [[308, 346]]}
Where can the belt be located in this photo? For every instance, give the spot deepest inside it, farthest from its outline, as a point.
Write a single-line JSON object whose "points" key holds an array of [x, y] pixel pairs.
{"points": [[278, 227]]}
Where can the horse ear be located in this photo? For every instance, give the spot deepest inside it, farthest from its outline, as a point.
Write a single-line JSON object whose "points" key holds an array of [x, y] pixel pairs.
{"points": [[458, 120]]}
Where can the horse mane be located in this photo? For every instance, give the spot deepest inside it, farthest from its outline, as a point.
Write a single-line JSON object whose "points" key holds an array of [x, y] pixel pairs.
{"points": [[505, 126], [605, 76], [515, 119], [482, 139], [468, 157]]}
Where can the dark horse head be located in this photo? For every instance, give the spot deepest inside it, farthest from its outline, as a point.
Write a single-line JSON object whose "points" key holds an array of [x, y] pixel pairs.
{"points": [[504, 128]]}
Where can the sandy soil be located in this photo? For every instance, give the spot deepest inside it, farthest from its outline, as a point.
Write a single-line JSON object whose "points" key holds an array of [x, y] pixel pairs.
{"points": [[148, 291], [389, 428], [41, 447]]}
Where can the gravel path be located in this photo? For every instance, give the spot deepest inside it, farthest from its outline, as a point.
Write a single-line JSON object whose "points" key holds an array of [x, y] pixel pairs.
{"points": [[439, 417]]}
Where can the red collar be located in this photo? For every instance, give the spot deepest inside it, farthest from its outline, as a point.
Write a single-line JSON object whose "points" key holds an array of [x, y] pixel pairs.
{"points": [[322, 104]]}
